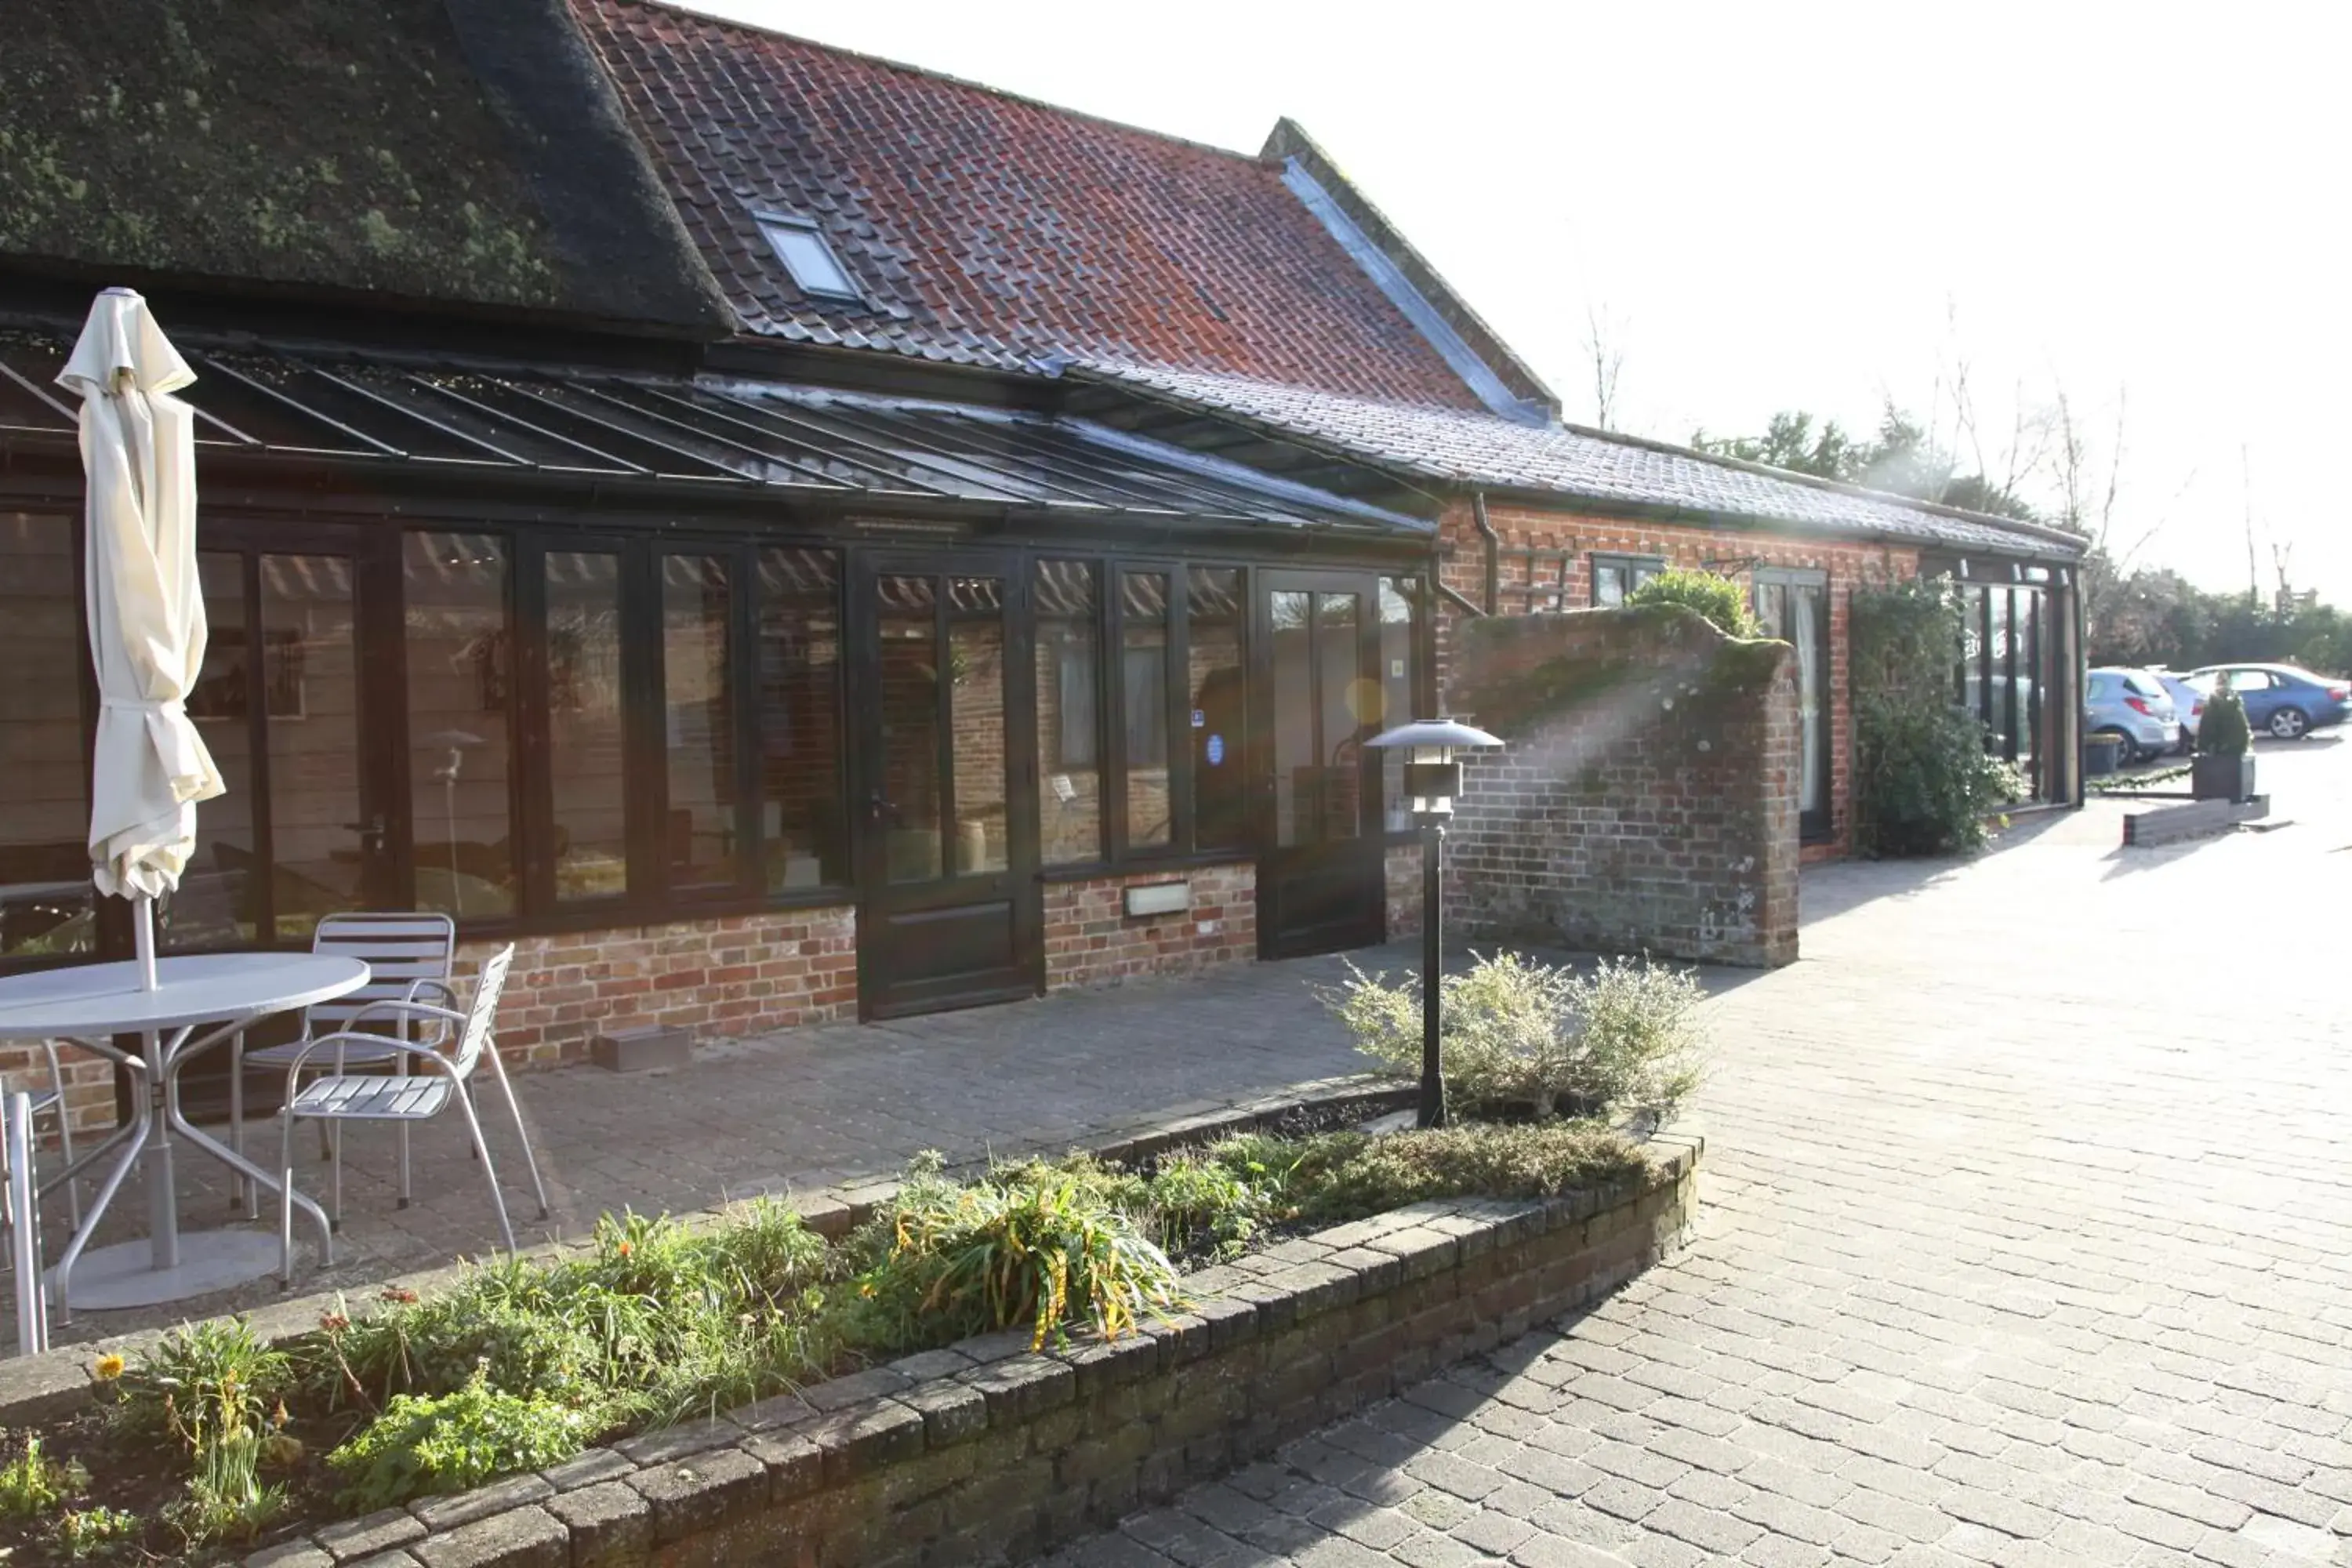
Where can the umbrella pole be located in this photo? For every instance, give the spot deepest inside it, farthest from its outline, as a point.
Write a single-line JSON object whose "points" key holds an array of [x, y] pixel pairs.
{"points": [[142, 935]]}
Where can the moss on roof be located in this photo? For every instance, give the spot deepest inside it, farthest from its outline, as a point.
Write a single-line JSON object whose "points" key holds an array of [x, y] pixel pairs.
{"points": [[343, 144]]}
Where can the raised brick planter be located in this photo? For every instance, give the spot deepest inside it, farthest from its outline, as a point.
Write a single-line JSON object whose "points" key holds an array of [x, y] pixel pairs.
{"points": [[987, 1451]]}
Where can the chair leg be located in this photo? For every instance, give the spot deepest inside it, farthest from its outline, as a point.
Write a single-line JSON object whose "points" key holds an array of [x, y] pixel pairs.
{"points": [[65, 1132], [400, 1136], [522, 1135], [497, 1198], [286, 1198]]}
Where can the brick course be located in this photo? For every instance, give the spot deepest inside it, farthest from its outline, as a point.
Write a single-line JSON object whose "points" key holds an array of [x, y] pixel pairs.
{"points": [[1090, 940]]}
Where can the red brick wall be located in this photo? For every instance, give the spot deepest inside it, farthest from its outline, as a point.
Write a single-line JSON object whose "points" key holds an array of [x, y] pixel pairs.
{"points": [[1681, 545], [89, 1086], [740, 974], [1090, 940], [1647, 801]]}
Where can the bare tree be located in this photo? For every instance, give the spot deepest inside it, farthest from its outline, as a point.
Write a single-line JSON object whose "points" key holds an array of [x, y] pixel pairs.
{"points": [[1604, 341]]}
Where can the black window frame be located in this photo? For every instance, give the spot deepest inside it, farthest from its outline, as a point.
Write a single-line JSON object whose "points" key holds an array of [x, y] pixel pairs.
{"points": [[1820, 824], [1638, 569]]}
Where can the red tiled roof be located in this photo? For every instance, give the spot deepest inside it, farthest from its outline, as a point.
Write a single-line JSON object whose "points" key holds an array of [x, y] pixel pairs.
{"points": [[986, 228]]}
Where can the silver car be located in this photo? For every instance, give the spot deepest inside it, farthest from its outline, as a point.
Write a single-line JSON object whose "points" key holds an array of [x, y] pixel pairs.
{"points": [[2188, 703], [2133, 706]]}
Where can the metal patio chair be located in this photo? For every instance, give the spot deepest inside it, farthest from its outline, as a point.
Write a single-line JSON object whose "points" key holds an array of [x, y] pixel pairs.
{"points": [[409, 958], [438, 1081]]}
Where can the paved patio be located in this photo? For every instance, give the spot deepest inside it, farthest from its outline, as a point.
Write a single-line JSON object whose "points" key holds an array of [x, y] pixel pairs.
{"points": [[2026, 1238]]}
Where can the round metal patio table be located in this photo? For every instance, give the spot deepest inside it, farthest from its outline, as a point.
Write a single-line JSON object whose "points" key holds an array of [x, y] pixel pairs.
{"points": [[198, 1002]]}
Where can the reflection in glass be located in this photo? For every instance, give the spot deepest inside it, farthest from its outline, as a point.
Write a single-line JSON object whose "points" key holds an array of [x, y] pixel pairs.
{"points": [[46, 903], [976, 705], [1347, 702], [698, 721], [1143, 673], [318, 842], [1069, 743], [217, 903], [907, 686], [1400, 609], [1218, 719], [806, 841], [588, 778], [1296, 786], [460, 699]]}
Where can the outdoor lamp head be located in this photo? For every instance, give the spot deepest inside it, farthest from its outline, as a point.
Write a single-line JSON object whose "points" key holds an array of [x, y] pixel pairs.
{"points": [[1433, 775]]}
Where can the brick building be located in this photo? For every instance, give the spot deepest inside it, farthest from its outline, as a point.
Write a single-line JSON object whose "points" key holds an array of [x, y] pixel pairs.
{"points": [[785, 536]]}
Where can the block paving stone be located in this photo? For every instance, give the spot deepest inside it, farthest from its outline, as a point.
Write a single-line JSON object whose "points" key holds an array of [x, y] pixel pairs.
{"points": [[2021, 1241]]}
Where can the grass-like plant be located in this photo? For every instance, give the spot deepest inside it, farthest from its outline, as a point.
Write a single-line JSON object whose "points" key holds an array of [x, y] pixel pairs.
{"points": [[1034, 1246], [1624, 1040]]}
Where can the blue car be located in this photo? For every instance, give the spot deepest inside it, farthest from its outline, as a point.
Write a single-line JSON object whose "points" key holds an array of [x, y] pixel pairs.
{"points": [[2281, 700]]}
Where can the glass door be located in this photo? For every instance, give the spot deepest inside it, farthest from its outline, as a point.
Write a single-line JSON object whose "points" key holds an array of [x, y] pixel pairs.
{"points": [[950, 907], [1794, 605], [292, 703], [1320, 882]]}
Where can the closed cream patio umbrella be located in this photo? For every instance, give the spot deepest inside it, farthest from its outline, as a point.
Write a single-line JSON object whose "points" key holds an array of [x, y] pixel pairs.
{"points": [[146, 606]]}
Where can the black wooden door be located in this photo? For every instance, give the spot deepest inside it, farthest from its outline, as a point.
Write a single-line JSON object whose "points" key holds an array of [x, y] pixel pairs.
{"points": [[950, 907], [1321, 884]]}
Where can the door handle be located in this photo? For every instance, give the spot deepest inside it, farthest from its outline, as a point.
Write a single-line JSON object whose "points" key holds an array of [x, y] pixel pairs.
{"points": [[371, 832], [876, 806]]}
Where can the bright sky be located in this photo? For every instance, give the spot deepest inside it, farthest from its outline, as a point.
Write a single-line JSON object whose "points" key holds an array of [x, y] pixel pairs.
{"points": [[1817, 205]]}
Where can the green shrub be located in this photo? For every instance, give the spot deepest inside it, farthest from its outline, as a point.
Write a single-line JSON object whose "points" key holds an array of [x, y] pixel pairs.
{"points": [[2223, 730], [422, 1447], [1722, 600], [1338, 1177], [1923, 782], [1625, 1039], [32, 1482], [1036, 1244], [1926, 780], [193, 1369]]}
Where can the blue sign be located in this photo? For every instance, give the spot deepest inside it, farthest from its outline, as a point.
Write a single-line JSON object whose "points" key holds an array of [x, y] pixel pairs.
{"points": [[1216, 749]]}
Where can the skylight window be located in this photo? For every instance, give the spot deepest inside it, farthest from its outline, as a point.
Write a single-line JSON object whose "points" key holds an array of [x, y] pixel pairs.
{"points": [[806, 256]]}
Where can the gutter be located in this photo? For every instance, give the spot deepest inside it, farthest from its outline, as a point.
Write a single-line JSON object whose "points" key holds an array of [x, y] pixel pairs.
{"points": [[1494, 546]]}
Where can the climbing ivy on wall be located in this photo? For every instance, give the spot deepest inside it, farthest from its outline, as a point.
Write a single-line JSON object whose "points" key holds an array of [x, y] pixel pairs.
{"points": [[1923, 783]]}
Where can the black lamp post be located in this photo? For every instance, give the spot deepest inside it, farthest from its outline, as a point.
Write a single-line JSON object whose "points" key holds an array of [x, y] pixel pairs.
{"points": [[1433, 777]]}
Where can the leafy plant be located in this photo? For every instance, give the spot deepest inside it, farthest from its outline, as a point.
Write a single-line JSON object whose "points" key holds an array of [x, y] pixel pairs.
{"points": [[421, 1447], [32, 1482], [2224, 732], [1037, 1245], [1923, 783], [87, 1533], [227, 1434], [1540, 1038], [1721, 600], [1338, 1177]]}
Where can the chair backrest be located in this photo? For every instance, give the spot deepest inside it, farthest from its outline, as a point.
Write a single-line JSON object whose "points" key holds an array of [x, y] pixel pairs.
{"points": [[399, 951], [482, 1011]]}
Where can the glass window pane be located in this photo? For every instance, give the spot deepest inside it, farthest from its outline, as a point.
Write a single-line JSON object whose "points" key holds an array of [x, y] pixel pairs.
{"points": [[976, 704], [217, 903], [1400, 611], [310, 669], [1608, 584], [587, 762], [1295, 790], [698, 721], [1213, 613], [1808, 631], [46, 903], [805, 836], [907, 681], [1143, 665], [1069, 747], [460, 701], [1348, 700]]}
